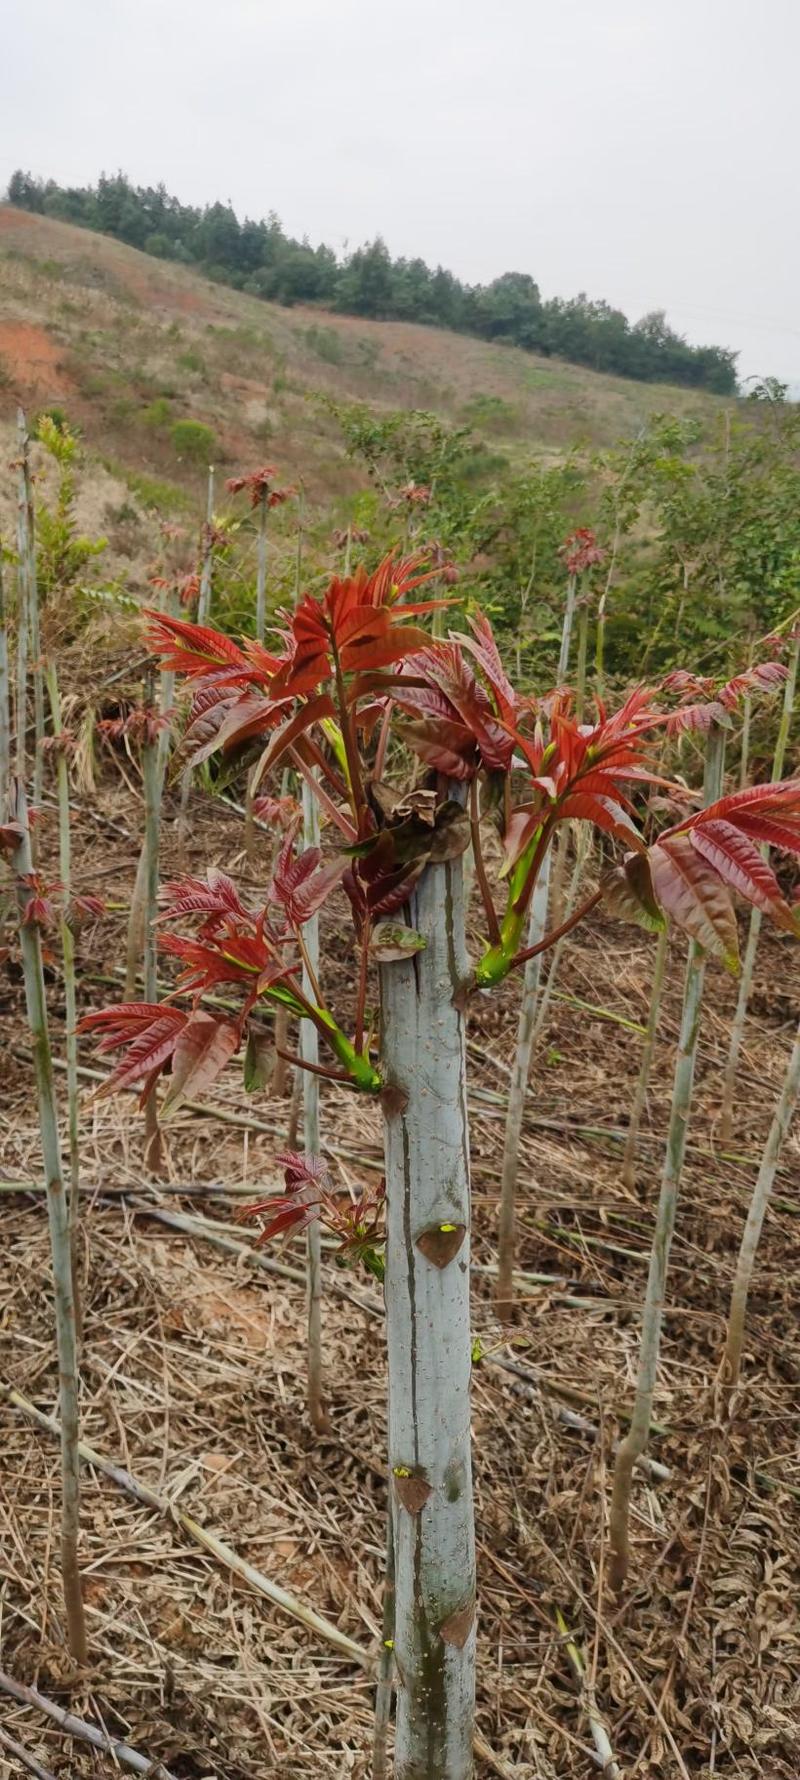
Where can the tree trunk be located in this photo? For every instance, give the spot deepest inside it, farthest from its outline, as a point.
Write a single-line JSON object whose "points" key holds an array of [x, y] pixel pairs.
{"points": [[383, 1691], [5, 701], [203, 609], [518, 1088], [309, 1048], [204, 601], [261, 626], [580, 671], [21, 681], [748, 965], [261, 571], [784, 1113], [635, 1442], [28, 569], [151, 775], [582, 848], [646, 1064], [134, 939], [36, 1003], [428, 1334], [566, 629], [70, 994]]}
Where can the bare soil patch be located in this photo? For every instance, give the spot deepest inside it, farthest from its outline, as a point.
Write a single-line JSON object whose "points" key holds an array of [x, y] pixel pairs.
{"points": [[34, 359]]}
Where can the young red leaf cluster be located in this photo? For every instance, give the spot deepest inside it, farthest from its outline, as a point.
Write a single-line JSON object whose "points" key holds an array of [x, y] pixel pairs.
{"points": [[260, 486], [703, 701], [695, 865], [581, 551], [185, 587], [140, 725], [347, 658], [308, 1198]]}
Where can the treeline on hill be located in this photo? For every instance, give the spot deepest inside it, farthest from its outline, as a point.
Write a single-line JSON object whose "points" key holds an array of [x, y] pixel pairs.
{"points": [[258, 257]]}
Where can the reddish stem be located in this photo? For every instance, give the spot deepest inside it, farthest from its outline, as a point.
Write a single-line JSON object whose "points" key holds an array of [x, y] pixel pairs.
{"points": [[331, 1075], [557, 933], [480, 869], [357, 798], [383, 743], [334, 778], [325, 802]]}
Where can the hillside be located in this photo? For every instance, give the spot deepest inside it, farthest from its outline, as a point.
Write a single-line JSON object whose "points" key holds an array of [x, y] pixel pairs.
{"points": [[129, 345]]}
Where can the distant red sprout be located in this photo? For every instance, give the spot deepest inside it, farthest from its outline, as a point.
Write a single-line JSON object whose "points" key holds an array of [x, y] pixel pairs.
{"points": [[141, 725], [260, 487], [703, 701], [352, 534], [581, 551], [413, 494]]}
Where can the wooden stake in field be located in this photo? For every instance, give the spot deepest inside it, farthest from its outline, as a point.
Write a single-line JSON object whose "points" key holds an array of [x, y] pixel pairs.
{"points": [[66, 1341]]}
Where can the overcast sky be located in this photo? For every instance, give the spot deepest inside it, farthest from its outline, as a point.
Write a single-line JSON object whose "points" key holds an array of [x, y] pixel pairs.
{"points": [[645, 151]]}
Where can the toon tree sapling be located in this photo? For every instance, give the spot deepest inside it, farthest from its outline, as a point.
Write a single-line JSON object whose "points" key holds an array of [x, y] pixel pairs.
{"points": [[348, 662]]}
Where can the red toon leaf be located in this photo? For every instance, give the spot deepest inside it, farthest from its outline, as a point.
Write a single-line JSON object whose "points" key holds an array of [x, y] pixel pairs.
{"points": [[689, 890], [204, 1046], [148, 1033]]}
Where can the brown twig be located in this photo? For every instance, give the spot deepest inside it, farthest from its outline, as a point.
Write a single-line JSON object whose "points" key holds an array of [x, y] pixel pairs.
{"points": [[121, 1753]]}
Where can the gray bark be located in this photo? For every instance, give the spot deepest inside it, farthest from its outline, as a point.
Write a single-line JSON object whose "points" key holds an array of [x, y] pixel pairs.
{"points": [[70, 989], [428, 1334]]}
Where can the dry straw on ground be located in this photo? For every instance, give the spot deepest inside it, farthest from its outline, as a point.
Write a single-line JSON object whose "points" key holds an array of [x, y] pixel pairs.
{"points": [[194, 1382]]}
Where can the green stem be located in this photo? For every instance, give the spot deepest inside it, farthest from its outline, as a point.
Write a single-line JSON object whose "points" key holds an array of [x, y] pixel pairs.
{"points": [[498, 958]]}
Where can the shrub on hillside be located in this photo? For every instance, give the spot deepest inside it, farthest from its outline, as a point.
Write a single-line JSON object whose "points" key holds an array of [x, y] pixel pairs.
{"points": [[193, 441]]}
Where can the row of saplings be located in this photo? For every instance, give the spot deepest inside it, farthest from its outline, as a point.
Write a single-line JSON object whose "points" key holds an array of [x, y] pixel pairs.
{"points": [[413, 747]]}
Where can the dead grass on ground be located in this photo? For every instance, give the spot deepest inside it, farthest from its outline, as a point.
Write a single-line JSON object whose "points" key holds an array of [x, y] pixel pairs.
{"points": [[194, 1380]]}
